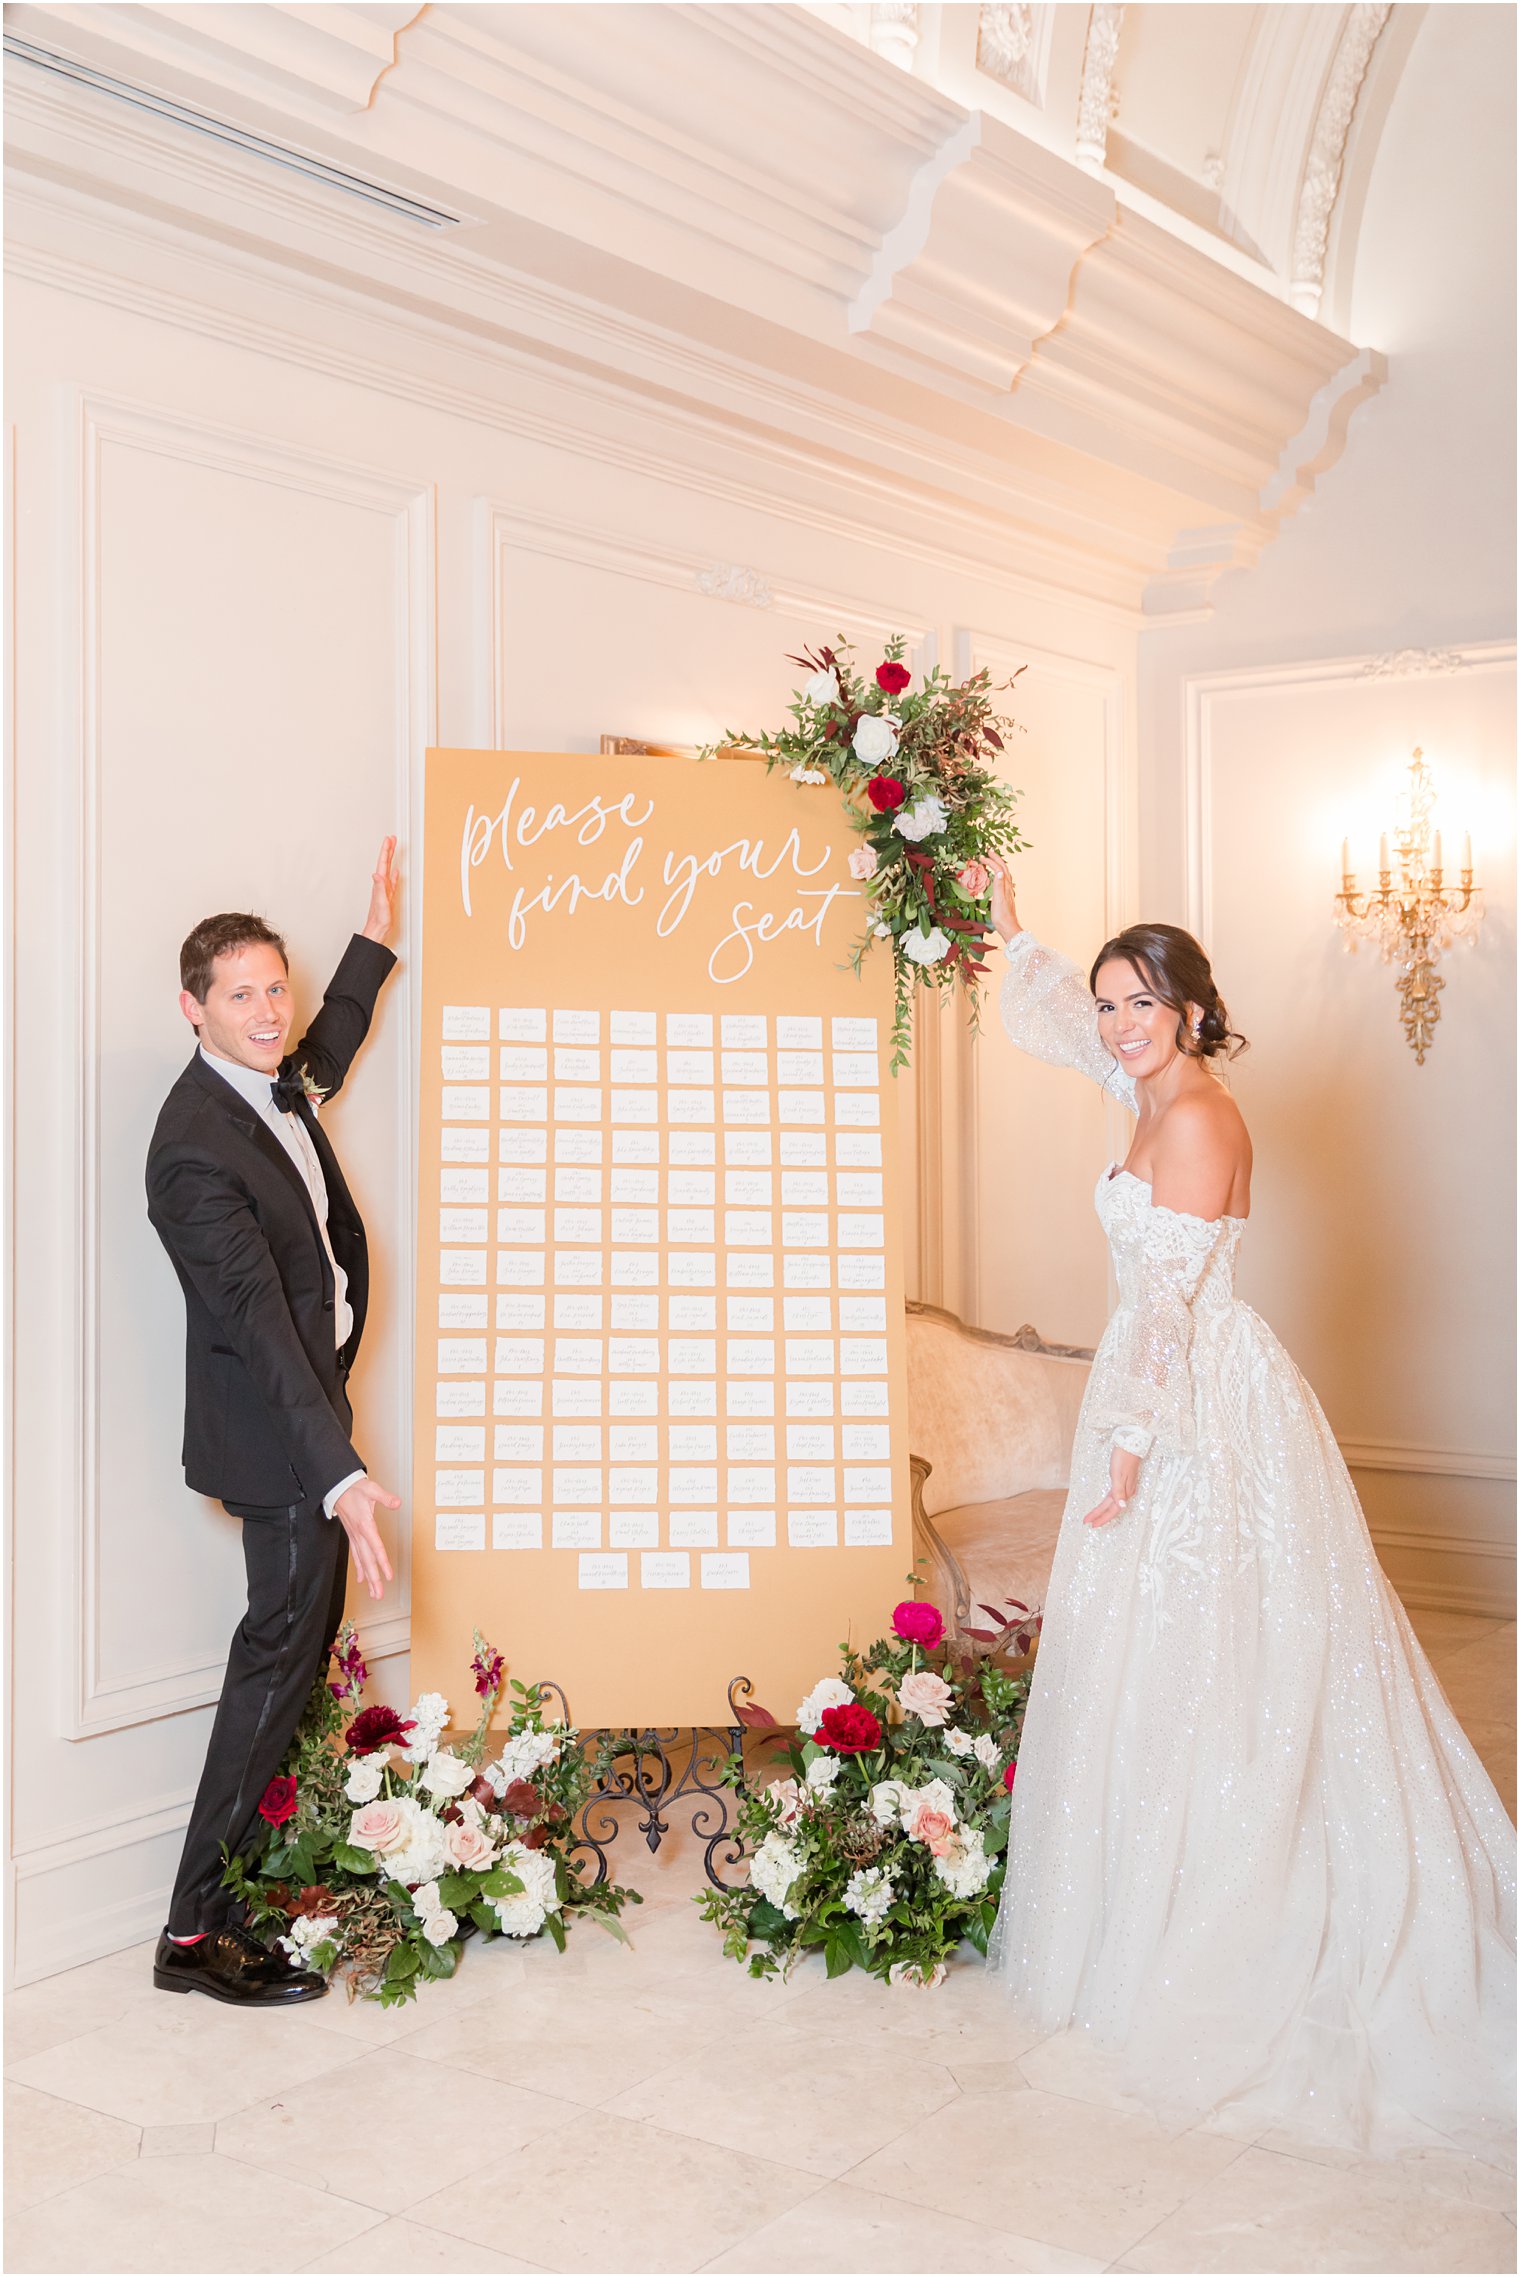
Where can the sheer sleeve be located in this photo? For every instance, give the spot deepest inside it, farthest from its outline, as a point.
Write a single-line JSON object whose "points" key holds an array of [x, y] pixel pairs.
{"points": [[1048, 1010], [1141, 1394]]}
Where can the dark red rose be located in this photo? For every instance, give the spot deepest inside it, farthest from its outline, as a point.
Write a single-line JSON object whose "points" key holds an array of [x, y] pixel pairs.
{"points": [[1008, 1775], [918, 1624], [893, 678], [849, 1730], [374, 1728], [536, 1837], [279, 1802], [522, 1800], [885, 792]]}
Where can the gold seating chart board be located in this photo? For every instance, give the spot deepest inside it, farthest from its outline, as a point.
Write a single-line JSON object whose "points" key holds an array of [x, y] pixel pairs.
{"points": [[661, 1400]]}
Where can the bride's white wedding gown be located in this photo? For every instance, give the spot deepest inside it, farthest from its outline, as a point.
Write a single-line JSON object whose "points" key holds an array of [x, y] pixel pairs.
{"points": [[1251, 1845]]}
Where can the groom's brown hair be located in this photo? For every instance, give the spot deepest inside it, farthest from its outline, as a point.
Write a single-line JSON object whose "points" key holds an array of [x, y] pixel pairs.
{"points": [[217, 937]]}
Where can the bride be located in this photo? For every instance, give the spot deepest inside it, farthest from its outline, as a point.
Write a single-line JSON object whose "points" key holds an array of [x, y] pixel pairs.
{"points": [[1251, 1846]]}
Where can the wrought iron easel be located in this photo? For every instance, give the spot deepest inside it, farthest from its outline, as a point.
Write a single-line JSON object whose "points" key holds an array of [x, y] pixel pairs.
{"points": [[656, 1770]]}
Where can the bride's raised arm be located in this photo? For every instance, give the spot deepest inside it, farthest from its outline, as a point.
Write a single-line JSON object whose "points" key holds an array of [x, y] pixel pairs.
{"points": [[1047, 1006]]}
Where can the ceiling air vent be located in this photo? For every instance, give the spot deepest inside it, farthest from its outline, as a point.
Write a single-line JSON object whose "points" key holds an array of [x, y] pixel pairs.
{"points": [[222, 130]]}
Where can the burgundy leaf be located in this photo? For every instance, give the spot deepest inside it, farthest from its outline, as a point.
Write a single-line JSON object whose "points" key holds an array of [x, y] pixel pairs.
{"points": [[756, 1718]]}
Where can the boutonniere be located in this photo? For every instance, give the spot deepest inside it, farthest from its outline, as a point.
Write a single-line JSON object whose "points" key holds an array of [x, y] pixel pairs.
{"points": [[289, 1090]]}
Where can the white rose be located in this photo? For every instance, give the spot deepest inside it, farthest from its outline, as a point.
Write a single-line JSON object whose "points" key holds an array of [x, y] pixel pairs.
{"points": [[923, 819], [446, 1776], [823, 688], [887, 1798], [909, 1972], [959, 1742], [986, 1751], [925, 948], [439, 1927], [822, 1772], [363, 1783], [833, 1692], [875, 739], [772, 1871], [809, 775]]}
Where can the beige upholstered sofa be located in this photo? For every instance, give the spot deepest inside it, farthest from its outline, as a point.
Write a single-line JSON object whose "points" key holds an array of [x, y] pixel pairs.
{"points": [[991, 1423]]}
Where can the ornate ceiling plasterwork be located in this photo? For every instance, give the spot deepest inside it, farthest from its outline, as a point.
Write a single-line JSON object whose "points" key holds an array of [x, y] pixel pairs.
{"points": [[1327, 151], [1012, 39], [1095, 104], [894, 31]]}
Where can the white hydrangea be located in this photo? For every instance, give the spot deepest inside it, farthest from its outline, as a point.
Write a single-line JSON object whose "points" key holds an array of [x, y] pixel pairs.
{"points": [[959, 1742], [773, 1869], [307, 1931], [802, 774], [430, 1718], [987, 1751], [422, 1857], [869, 1893], [833, 1692], [525, 1914], [364, 1780], [925, 818], [822, 1772], [964, 1866], [524, 1753]]}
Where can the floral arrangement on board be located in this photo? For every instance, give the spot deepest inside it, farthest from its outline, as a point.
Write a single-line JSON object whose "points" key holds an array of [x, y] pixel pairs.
{"points": [[883, 1844], [381, 1848], [919, 774]]}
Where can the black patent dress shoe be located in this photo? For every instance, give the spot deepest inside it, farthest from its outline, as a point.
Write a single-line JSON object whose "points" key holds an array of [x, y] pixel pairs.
{"points": [[229, 1964]]}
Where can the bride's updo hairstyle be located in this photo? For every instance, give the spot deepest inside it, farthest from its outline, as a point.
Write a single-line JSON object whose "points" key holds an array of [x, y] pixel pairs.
{"points": [[1175, 969]]}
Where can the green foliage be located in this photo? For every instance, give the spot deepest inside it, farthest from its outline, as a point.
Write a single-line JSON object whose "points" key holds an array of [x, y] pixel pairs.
{"points": [[950, 743]]}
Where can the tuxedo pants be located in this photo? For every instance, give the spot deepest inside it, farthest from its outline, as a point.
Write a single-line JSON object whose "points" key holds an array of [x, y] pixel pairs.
{"points": [[297, 1563]]}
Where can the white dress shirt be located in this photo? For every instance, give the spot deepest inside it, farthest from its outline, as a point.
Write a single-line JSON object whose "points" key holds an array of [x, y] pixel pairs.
{"points": [[258, 1089]]}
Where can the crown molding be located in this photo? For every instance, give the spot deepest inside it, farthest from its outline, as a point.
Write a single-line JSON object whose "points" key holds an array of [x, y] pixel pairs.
{"points": [[954, 329]]}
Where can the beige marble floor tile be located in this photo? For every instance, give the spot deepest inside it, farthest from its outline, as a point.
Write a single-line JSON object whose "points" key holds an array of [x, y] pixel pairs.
{"points": [[191, 2138], [609, 2194], [1068, 2064], [1480, 1679], [845, 2230], [185, 2058], [1425, 2163], [584, 2046], [965, 2020], [164, 2215], [51, 2146], [799, 2093], [1495, 1747], [1077, 2175], [64, 2007], [323, 2133], [405, 2249], [1442, 1632], [1276, 2214]]}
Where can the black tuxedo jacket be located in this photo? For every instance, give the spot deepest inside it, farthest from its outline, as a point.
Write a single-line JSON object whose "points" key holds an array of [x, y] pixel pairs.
{"points": [[264, 1419]]}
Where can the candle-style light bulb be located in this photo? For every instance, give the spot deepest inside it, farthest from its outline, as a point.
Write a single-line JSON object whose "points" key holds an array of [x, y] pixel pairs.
{"points": [[1435, 860], [1383, 851], [1467, 849], [1345, 861]]}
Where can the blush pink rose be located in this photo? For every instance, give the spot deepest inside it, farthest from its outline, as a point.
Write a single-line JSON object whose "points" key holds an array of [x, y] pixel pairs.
{"points": [[787, 1797], [974, 879], [927, 1696], [469, 1846], [863, 862], [934, 1829], [379, 1826]]}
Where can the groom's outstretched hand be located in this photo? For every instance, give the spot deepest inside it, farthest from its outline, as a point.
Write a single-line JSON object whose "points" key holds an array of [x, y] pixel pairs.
{"points": [[384, 886], [1123, 1478], [356, 1507]]}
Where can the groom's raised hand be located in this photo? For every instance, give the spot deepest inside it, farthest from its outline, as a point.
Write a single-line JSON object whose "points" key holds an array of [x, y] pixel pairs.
{"points": [[384, 886]]}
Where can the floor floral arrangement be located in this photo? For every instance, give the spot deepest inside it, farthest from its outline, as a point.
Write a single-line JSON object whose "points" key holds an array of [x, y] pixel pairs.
{"points": [[918, 769], [381, 1849], [883, 1844]]}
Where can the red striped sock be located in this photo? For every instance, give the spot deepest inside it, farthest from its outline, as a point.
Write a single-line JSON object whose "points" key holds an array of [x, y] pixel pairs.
{"points": [[195, 1940]]}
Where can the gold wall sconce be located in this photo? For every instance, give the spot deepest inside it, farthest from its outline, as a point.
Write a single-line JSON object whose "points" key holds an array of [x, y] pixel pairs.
{"points": [[1414, 913]]}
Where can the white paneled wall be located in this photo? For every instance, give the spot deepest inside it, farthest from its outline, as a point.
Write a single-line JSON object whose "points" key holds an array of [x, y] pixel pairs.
{"points": [[249, 593]]}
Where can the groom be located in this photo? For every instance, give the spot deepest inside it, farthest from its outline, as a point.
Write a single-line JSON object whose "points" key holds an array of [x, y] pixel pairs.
{"points": [[245, 1193]]}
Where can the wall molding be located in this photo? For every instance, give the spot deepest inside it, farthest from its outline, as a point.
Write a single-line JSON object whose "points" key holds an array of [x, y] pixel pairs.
{"points": [[1202, 690], [1433, 1462], [96, 1701], [682, 569]]}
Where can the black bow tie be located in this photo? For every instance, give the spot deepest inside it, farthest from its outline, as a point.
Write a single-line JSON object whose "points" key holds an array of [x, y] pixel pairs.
{"points": [[287, 1092]]}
